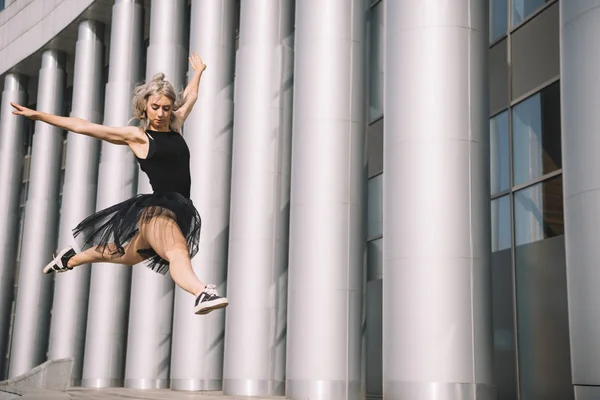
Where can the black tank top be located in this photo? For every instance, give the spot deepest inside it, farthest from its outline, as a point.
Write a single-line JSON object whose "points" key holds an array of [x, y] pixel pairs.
{"points": [[168, 163]]}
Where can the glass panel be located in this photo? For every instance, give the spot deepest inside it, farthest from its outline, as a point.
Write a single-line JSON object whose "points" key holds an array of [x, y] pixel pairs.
{"points": [[536, 135], [375, 207], [499, 153], [539, 211], [521, 9], [501, 223], [498, 18], [376, 67], [375, 259], [23, 194]]}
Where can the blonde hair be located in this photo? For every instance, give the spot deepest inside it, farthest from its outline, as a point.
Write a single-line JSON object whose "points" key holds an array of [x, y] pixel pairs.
{"points": [[156, 86]]}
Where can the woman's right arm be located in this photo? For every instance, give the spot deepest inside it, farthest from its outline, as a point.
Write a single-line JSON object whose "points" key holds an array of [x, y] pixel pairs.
{"points": [[116, 135]]}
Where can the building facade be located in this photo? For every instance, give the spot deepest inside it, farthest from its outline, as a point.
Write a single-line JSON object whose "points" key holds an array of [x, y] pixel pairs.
{"points": [[398, 198]]}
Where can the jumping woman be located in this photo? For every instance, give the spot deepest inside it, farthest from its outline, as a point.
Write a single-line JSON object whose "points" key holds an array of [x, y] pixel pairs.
{"points": [[162, 228]]}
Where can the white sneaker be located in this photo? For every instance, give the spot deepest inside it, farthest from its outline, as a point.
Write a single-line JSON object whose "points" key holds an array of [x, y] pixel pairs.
{"points": [[209, 300], [59, 264]]}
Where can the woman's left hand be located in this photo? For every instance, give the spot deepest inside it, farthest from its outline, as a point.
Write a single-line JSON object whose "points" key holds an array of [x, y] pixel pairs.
{"points": [[196, 62]]}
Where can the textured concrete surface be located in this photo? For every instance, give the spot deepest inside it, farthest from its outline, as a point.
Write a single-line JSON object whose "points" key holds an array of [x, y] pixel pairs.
{"points": [[51, 375], [9, 395], [154, 394]]}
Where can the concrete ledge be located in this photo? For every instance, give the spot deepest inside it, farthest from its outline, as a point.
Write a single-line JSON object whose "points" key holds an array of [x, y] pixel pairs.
{"points": [[51, 375], [9, 394]]}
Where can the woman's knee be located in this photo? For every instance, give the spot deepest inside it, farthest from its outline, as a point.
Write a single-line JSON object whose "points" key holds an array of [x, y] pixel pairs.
{"points": [[177, 253]]}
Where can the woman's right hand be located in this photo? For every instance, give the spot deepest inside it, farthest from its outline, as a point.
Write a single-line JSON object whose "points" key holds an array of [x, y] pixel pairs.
{"points": [[23, 111]]}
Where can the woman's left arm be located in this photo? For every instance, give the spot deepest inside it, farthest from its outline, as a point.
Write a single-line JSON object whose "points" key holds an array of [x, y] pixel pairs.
{"points": [[190, 94]]}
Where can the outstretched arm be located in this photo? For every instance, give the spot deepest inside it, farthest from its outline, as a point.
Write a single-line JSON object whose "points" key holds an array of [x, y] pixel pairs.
{"points": [[116, 135], [190, 94]]}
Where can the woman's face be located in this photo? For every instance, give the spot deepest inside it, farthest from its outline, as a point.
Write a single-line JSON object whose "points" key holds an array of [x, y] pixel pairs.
{"points": [[158, 110]]}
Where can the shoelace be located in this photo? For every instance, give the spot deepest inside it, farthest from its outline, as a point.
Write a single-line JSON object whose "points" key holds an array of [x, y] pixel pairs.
{"points": [[56, 267], [211, 290]]}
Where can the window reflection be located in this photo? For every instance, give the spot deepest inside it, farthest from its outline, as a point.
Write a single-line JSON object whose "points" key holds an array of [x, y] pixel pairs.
{"points": [[521, 9], [499, 153], [539, 211], [498, 18], [376, 68], [536, 135], [501, 223]]}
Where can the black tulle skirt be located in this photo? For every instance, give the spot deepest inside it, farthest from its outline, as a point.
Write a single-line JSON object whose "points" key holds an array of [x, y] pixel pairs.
{"points": [[111, 229]]}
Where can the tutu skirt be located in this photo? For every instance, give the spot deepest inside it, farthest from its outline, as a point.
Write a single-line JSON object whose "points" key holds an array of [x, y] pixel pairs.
{"points": [[111, 229]]}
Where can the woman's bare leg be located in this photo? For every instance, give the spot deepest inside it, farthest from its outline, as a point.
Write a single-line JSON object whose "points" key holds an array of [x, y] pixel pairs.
{"points": [[131, 256], [167, 240]]}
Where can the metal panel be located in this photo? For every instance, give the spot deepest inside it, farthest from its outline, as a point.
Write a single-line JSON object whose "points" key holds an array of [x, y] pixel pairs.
{"points": [[327, 213], [12, 138], [151, 307], [499, 83], [436, 257], [34, 297], [535, 56], [106, 335], [505, 362], [374, 337], [580, 30], [255, 341], [197, 353], [542, 323], [69, 308]]}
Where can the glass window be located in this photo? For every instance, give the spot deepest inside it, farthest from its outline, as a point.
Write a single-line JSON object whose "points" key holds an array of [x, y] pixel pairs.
{"points": [[375, 207], [501, 223], [498, 18], [23, 194], [536, 135], [375, 259], [521, 9], [499, 153], [376, 67], [539, 211], [1, 5]]}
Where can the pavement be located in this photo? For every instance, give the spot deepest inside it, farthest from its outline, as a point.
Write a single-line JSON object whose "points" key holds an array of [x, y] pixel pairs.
{"points": [[49, 381], [77, 393]]}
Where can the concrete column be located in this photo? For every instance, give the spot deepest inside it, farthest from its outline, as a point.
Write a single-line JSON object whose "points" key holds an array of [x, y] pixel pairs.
{"points": [[197, 355], [437, 325], [327, 213], [34, 295], [106, 334], [581, 184], [12, 141], [151, 310], [69, 308], [258, 240]]}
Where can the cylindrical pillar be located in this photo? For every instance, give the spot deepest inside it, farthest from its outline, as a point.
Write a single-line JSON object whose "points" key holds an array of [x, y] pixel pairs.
{"points": [[12, 138], [437, 325], [108, 310], [197, 356], [327, 216], [151, 310], [254, 362], [581, 182], [69, 308], [34, 295]]}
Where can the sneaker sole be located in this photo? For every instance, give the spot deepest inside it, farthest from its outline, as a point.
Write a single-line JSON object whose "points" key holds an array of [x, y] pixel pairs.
{"points": [[209, 306], [48, 268]]}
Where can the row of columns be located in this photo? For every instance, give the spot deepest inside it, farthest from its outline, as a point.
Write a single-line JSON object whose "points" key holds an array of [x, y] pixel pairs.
{"points": [[279, 179]]}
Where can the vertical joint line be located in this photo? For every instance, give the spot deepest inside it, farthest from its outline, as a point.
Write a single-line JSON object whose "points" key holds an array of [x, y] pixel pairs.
{"points": [[470, 111]]}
